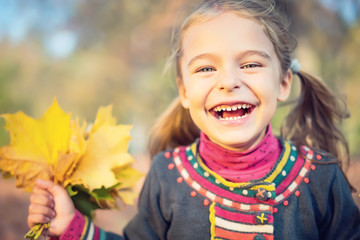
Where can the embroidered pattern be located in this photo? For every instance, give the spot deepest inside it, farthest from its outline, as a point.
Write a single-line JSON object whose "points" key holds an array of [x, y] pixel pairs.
{"points": [[243, 210], [229, 224], [215, 197]]}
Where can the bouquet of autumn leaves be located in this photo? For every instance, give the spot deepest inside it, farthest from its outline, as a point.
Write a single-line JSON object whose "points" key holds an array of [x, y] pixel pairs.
{"points": [[91, 162]]}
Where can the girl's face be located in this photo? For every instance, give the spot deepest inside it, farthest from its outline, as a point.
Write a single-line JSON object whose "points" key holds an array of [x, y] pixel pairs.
{"points": [[231, 80]]}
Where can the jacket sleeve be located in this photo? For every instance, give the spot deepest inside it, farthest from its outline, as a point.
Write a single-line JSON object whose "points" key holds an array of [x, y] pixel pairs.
{"points": [[152, 219], [342, 219], [82, 228]]}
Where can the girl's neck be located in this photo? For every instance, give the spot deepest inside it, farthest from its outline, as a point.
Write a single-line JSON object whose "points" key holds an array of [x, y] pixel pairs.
{"points": [[241, 166]]}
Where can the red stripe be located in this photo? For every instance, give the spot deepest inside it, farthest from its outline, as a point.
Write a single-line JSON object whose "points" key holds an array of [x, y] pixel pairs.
{"points": [[286, 193], [255, 207], [298, 180], [189, 181], [236, 205], [294, 173], [218, 199], [238, 217], [202, 191], [222, 233], [96, 233], [307, 164]]}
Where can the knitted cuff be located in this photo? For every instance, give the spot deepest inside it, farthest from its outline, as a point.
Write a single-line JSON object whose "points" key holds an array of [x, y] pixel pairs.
{"points": [[75, 229]]}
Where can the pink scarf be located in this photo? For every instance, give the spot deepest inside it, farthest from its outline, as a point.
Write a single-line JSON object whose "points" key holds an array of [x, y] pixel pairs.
{"points": [[241, 166]]}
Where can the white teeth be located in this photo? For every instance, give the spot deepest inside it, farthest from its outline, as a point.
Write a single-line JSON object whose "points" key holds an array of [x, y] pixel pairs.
{"points": [[233, 108], [234, 118]]}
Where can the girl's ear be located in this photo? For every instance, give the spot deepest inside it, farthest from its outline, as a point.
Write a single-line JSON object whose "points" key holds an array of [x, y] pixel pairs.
{"points": [[285, 86], [182, 93]]}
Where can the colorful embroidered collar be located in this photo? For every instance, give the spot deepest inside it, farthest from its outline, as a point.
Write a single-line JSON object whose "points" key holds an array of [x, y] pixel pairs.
{"points": [[241, 166]]}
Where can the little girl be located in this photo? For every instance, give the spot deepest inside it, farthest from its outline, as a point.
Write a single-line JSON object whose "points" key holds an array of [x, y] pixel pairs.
{"points": [[219, 172]]}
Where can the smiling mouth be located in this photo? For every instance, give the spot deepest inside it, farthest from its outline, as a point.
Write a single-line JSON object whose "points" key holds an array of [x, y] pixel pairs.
{"points": [[233, 112]]}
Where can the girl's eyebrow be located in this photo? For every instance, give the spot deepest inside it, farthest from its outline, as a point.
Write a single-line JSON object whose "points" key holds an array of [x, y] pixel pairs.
{"points": [[201, 56], [247, 53], [262, 54]]}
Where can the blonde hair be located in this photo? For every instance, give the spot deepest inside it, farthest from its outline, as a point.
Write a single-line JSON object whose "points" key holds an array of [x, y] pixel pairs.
{"points": [[313, 120]]}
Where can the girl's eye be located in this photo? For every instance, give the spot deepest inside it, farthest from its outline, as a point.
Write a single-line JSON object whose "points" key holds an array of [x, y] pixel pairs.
{"points": [[250, 65], [206, 69]]}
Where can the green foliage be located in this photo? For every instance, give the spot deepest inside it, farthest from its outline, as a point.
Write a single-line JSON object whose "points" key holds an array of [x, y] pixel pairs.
{"points": [[80, 197]]}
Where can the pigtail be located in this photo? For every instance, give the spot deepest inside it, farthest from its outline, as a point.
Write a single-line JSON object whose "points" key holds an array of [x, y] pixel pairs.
{"points": [[313, 121], [174, 128]]}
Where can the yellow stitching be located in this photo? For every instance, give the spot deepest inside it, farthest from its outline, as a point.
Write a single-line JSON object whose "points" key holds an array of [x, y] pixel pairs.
{"points": [[85, 227], [281, 164], [212, 220]]}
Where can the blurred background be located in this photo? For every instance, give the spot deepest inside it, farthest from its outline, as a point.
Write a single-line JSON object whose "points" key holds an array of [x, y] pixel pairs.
{"points": [[94, 53]]}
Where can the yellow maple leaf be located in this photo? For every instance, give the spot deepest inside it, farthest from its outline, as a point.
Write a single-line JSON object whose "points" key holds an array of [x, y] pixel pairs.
{"points": [[128, 178], [127, 196], [67, 163], [103, 117], [36, 145], [106, 149]]}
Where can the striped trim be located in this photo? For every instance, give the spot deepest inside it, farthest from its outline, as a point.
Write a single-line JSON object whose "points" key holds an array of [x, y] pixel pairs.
{"points": [[283, 161], [213, 197], [295, 184], [102, 234], [284, 171], [96, 233], [232, 225], [222, 234], [91, 232], [236, 216], [240, 227], [86, 228]]}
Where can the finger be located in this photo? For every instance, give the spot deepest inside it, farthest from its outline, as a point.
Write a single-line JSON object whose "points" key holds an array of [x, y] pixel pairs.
{"points": [[54, 189], [42, 199], [44, 184], [39, 209], [57, 190], [37, 218], [41, 190]]}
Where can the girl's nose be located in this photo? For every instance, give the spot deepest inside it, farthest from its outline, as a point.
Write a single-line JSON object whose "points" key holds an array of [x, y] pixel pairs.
{"points": [[229, 80]]}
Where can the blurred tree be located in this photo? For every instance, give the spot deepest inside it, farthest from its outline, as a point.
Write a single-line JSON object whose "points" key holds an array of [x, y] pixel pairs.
{"points": [[91, 53]]}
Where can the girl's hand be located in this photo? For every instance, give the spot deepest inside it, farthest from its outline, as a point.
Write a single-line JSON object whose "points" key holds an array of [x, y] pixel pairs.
{"points": [[50, 203]]}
